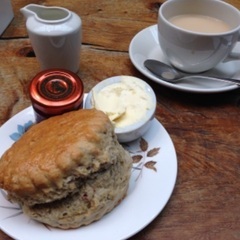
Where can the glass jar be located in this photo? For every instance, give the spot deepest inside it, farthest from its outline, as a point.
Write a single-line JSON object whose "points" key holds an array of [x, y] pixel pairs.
{"points": [[54, 92]]}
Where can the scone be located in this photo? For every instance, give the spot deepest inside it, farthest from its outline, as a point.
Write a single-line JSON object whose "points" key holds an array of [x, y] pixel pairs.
{"points": [[68, 170]]}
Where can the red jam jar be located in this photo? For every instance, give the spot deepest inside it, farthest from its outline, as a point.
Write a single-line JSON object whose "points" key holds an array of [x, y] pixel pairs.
{"points": [[54, 92]]}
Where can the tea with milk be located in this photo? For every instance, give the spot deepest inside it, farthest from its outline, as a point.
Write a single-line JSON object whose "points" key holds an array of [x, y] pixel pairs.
{"points": [[200, 23]]}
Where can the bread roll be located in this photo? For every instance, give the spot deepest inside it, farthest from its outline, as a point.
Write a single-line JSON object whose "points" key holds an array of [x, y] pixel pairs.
{"points": [[68, 170]]}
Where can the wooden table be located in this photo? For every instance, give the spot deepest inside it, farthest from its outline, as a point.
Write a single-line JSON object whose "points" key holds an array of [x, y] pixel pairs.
{"points": [[205, 128]]}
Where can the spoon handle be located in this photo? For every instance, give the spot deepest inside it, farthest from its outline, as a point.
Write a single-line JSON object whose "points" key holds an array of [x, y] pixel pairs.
{"points": [[229, 80]]}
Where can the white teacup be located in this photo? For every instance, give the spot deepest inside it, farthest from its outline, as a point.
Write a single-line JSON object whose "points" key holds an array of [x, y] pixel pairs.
{"points": [[195, 50]]}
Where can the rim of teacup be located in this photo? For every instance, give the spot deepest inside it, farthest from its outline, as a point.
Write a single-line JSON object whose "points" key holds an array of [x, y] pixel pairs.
{"points": [[161, 15]]}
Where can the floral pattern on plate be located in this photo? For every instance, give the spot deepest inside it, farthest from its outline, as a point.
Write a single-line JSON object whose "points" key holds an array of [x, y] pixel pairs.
{"points": [[21, 129]]}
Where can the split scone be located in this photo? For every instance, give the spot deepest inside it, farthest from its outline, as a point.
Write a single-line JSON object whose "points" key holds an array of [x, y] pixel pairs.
{"points": [[68, 170]]}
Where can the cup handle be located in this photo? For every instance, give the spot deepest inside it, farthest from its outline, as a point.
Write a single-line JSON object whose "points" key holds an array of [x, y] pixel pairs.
{"points": [[233, 56]]}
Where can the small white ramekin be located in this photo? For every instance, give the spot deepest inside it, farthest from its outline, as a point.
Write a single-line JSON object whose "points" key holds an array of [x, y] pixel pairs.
{"points": [[137, 129]]}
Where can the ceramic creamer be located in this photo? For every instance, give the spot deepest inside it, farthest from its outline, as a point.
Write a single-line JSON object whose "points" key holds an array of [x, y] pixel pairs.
{"points": [[55, 34]]}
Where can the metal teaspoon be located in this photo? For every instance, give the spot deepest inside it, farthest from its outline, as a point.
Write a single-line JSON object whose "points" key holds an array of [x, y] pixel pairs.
{"points": [[170, 74]]}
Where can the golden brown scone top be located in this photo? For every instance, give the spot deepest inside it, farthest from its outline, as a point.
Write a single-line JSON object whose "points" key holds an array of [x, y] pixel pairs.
{"points": [[51, 154]]}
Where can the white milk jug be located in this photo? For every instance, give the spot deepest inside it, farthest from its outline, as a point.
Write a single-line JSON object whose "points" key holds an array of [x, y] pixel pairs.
{"points": [[55, 34]]}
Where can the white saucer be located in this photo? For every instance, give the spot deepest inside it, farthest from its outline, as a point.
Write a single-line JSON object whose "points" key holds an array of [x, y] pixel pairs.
{"points": [[145, 46]]}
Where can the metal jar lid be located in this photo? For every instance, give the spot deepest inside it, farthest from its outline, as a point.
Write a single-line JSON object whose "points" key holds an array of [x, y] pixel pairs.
{"points": [[56, 91]]}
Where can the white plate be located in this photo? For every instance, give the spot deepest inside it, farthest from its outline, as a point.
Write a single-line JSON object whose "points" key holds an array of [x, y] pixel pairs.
{"points": [[151, 185], [145, 46]]}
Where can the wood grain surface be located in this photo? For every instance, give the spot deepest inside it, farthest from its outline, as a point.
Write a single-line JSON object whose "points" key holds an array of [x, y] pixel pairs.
{"points": [[205, 128]]}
